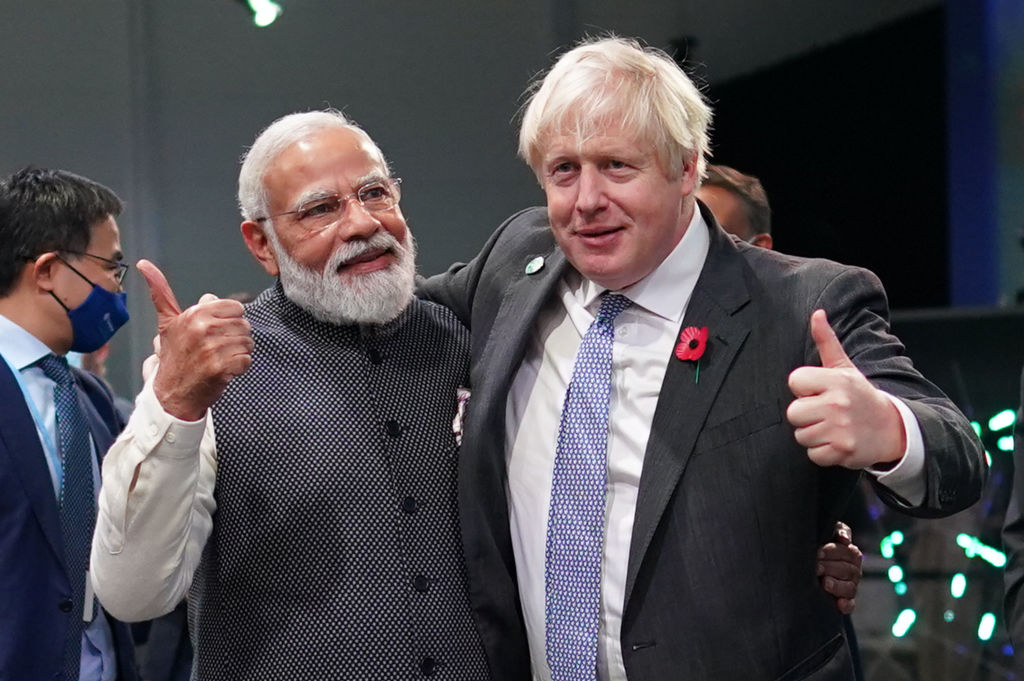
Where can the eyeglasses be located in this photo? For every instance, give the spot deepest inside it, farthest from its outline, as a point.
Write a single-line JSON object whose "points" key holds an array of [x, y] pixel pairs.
{"points": [[323, 211], [120, 267]]}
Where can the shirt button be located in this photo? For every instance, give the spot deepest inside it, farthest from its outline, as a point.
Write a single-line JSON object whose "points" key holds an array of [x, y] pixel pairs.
{"points": [[171, 437], [375, 356], [428, 666], [393, 428], [410, 505], [65, 606], [153, 429], [421, 584]]}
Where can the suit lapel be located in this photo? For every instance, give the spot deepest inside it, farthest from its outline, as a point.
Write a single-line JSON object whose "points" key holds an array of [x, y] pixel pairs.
{"points": [[517, 315], [20, 443], [718, 303], [482, 502]]}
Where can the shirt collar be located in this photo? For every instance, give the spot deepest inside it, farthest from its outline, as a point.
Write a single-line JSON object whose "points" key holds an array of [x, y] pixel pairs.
{"points": [[666, 291], [18, 346]]}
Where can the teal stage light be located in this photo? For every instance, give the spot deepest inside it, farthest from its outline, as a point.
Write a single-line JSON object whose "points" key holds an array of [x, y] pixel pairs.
{"points": [[903, 622], [958, 585], [1003, 419], [986, 626], [973, 546]]}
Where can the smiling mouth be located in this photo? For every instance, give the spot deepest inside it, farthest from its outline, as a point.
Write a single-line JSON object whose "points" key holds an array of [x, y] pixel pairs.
{"points": [[372, 256], [595, 232]]}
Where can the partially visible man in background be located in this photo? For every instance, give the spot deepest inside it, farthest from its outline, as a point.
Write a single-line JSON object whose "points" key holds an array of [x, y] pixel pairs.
{"points": [[739, 203], [60, 290]]}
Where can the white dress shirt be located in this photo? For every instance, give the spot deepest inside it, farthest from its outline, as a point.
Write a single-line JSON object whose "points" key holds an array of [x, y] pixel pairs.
{"points": [[645, 335], [22, 350], [177, 468]]}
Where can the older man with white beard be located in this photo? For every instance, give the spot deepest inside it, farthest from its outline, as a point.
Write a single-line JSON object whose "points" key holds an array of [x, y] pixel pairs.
{"points": [[327, 413]]}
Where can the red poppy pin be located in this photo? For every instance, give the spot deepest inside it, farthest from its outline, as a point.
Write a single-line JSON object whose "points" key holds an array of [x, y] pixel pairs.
{"points": [[692, 344]]}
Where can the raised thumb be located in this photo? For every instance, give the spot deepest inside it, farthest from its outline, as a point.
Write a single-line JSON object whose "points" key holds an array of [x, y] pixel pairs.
{"points": [[829, 348], [164, 302]]}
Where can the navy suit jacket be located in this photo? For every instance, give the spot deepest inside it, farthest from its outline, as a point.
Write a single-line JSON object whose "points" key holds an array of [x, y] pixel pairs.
{"points": [[721, 579], [34, 589]]}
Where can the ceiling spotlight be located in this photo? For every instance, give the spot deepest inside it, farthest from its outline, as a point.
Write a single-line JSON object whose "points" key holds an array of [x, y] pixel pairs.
{"points": [[264, 12]]}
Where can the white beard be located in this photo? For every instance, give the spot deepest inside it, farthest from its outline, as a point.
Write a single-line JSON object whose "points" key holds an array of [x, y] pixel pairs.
{"points": [[373, 298]]}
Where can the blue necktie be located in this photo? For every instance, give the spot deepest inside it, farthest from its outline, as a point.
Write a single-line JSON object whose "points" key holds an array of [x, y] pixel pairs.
{"points": [[77, 503], [572, 575]]}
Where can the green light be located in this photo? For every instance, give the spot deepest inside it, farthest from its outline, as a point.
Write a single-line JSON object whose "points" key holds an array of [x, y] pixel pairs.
{"points": [[948, 616], [977, 428], [900, 589], [885, 547], [1003, 419], [895, 574], [903, 622], [897, 538], [988, 459], [264, 12], [1005, 443], [958, 585], [986, 626], [972, 547]]}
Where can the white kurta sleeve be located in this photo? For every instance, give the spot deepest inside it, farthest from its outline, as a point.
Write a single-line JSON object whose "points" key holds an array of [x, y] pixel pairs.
{"points": [[155, 511]]}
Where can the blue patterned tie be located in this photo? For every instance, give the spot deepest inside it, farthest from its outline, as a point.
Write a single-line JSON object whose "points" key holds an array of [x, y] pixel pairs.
{"points": [[77, 503], [576, 515]]}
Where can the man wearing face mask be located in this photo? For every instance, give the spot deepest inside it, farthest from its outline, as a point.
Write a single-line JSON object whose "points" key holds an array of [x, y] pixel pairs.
{"points": [[60, 290]]}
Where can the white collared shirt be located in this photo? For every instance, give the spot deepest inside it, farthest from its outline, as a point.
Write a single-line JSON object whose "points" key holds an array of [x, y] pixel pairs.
{"points": [[645, 334]]}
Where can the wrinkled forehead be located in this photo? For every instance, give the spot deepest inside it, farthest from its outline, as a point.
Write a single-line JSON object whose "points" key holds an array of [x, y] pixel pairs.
{"points": [[332, 160]]}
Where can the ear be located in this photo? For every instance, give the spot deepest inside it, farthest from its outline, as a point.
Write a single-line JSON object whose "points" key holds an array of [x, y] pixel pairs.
{"points": [[763, 240], [259, 245], [688, 182], [43, 271]]}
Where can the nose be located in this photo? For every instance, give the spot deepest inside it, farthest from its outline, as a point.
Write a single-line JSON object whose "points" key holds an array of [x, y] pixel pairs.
{"points": [[590, 197], [357, 222]]}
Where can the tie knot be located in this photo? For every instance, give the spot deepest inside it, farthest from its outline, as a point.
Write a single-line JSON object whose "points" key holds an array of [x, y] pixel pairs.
{"points": [[611, 306], [56, 369]]}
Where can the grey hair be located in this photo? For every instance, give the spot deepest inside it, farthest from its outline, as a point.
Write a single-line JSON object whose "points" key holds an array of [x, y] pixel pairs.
{"points": [[612, 80], [253, 201]]}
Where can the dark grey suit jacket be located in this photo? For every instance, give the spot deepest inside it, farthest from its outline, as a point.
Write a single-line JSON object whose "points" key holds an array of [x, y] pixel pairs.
{"points": [[721, 576]]}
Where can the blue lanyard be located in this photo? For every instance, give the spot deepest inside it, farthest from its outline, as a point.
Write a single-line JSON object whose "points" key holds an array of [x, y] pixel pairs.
{"points": [[52, 453]]}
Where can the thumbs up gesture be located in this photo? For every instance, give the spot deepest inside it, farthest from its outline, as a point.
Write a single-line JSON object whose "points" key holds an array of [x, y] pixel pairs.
{"points": [[201, 348], [839, 416]]}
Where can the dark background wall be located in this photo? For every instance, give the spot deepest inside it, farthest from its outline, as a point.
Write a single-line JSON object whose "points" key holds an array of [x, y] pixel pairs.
{"points": [[850, 144]]}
